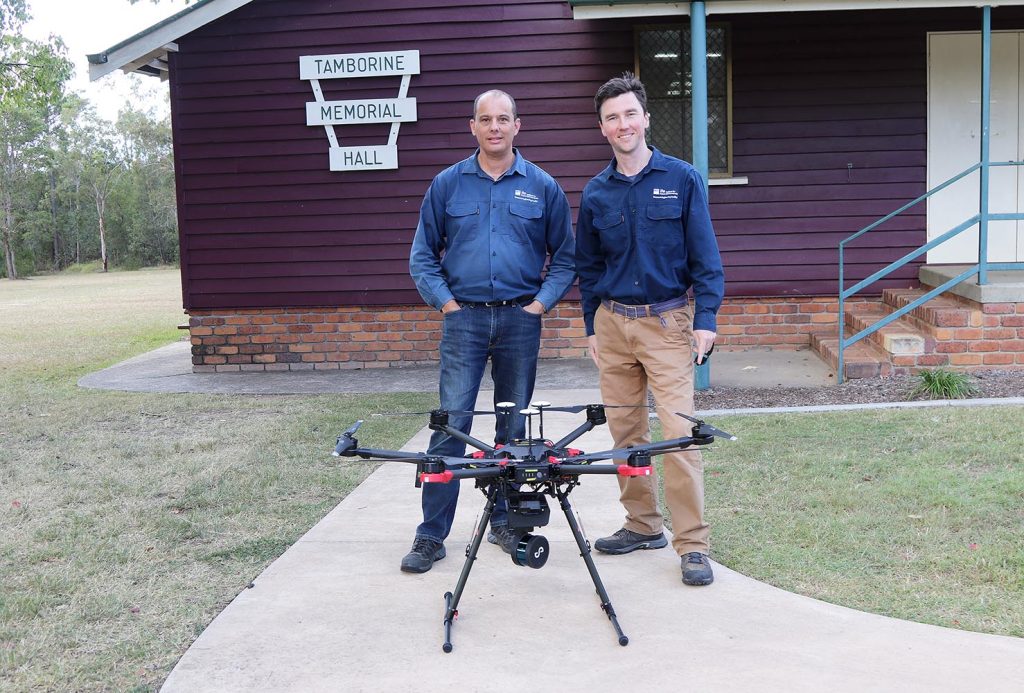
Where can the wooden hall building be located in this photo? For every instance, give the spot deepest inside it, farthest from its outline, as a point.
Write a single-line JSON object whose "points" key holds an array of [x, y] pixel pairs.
{"points": [[306, 133]]}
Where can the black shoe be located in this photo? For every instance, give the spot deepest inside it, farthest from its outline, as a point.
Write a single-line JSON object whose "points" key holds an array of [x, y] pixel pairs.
{"points": [[421, 557], [625, 541], [503, 537], [697, 569]]}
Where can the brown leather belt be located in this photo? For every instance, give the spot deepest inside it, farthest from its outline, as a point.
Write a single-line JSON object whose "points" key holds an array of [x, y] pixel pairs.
{"points": [[645, 311]]}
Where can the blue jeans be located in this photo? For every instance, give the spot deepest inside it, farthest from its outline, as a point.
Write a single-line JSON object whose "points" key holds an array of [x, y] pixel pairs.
{"points": [[510, 337]]}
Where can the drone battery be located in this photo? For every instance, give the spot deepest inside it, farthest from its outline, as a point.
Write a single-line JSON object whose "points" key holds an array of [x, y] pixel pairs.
{"points": [[529, 474]]}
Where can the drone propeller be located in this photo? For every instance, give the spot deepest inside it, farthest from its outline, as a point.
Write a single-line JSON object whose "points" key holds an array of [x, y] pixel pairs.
{"points": [[509, 406], [707, 429], [543, 406], [345, 441], [577, 408]]}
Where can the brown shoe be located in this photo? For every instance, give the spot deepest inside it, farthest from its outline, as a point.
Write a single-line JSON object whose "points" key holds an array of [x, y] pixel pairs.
{"points": [[697, 569]]}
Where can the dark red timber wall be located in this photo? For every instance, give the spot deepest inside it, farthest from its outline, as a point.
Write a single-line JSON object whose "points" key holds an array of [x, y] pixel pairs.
{"points": [[287, 265]]}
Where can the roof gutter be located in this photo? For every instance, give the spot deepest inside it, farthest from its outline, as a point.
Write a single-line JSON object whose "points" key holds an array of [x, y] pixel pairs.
{"points": [[613, 9]]}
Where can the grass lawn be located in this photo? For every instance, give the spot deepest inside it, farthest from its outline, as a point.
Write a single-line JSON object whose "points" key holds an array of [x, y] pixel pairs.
{"points": [[917, 514], [128, 520]]}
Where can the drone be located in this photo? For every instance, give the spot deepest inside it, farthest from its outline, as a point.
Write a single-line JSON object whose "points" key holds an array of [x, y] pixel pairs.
{"points": [[528, 471]]}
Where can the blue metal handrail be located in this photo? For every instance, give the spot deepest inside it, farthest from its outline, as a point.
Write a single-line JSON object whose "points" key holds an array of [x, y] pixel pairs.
{"points": [[981, 219], [980, 268]]}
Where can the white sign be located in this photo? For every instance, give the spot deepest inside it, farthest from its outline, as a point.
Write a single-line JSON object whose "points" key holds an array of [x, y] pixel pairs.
{"points": [[360, 111], [359, 65], [365, 111], [373, 158]]}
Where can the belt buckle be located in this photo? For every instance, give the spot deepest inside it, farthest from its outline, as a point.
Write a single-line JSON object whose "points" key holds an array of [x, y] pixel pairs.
{"points": [[633, 312]]}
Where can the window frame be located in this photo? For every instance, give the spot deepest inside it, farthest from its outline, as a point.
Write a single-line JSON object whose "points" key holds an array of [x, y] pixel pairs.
{"points": [[727, 27]]}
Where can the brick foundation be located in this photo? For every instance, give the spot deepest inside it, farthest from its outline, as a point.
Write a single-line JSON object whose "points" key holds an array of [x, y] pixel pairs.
{"points": [[282, 339], [992, 335]]}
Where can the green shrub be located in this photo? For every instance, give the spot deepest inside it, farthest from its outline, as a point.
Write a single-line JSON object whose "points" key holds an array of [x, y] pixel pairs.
{"points": [[940, 383]]}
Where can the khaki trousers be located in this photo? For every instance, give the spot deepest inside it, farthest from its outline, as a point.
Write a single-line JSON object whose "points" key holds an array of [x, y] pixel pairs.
{"points": [[634, 354]]}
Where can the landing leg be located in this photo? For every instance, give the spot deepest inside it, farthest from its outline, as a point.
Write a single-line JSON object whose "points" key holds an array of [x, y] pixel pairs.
{"points": [[451, 600], [606, 603]]}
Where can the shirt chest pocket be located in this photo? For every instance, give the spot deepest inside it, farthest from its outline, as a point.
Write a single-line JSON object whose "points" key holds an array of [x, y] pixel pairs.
{"points": [[461, 219], [523, 222], [662, 226], [611, 227]]}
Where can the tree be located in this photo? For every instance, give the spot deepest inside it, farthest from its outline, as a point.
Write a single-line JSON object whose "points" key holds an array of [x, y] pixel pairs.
{"points": [[32, 79], [104, 168], [146, 196], [73, 186], [13, 15]]}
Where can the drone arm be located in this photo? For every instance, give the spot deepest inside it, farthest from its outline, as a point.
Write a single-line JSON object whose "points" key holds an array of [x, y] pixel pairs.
{"points": [[659, 448], [476, 472], [381, 454], [581, 469], [674, 444], [585, 427], [468, 439], [637, 469], [595, 417], [458, 474]]}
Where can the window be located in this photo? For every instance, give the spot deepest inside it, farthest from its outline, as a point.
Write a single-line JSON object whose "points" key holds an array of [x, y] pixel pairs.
{"points": [[663, 63]]}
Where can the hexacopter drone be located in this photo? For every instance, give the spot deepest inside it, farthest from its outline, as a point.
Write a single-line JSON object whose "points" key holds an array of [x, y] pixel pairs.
{"points": [[527, 471]]}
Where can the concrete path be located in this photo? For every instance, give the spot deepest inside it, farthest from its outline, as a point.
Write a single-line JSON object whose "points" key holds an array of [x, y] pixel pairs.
{"points": [[334, 613], [169, 369]]}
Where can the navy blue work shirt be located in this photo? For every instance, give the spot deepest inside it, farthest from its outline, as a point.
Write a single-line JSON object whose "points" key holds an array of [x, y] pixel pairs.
{"points": [[480, 239], [648, 239]]}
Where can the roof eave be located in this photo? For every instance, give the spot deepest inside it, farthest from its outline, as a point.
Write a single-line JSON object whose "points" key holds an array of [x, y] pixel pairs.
{"points": [[146, 52]]}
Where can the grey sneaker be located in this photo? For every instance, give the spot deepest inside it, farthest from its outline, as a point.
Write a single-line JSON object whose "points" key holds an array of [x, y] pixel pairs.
{"points": [[625, 541], [503, 537], [421, 557], [697, 569]]}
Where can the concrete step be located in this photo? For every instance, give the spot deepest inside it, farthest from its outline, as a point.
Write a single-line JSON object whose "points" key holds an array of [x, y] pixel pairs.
{"points": [[938, 317], [862, 360], [898, 337]]}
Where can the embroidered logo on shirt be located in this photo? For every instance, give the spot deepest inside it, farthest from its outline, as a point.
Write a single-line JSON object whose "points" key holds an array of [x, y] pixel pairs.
{"points": [[526, 197], [660, 194]]}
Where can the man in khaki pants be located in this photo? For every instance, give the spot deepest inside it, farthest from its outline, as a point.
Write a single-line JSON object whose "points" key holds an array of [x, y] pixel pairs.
{"points": [[643, 240]]}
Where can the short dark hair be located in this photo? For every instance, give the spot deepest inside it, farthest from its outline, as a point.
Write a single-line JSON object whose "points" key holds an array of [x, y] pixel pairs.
{"points": [[617, 86], [496, 92]]}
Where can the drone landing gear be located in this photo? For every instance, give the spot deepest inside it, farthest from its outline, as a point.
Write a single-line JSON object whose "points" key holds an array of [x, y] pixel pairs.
{"points": [[554, 488]]}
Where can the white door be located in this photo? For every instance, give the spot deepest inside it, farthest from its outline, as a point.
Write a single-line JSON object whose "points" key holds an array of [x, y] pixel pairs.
{"points": [[954, 143]]}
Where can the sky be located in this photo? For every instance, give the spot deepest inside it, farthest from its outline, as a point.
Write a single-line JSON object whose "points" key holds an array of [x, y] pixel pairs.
{"points": [[92, 26]]}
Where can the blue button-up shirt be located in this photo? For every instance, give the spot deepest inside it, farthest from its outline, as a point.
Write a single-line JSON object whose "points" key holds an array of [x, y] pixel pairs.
{"points": [[648, 239], [480, 239]]}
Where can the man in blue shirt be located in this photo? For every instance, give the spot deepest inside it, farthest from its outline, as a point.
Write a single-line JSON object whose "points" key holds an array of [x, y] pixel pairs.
{"points": [[643, 240], [487, 226]]}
